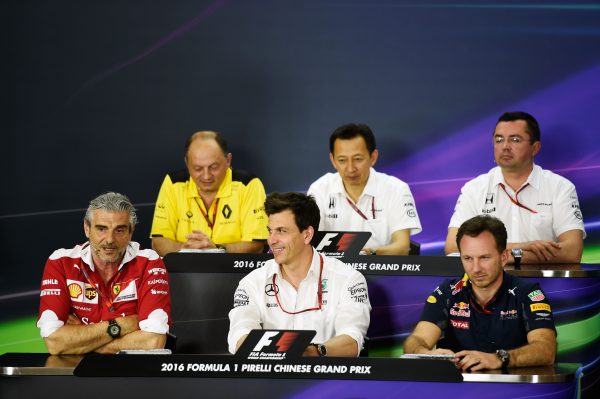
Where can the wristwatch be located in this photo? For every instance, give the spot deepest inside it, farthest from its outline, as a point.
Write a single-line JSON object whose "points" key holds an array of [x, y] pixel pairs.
{"points": [[517, 253], [504, 356], [321, 349], [114, 329]]}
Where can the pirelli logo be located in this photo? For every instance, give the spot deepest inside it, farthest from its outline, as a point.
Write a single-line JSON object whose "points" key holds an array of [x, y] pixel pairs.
{"points": [[536, 307]]}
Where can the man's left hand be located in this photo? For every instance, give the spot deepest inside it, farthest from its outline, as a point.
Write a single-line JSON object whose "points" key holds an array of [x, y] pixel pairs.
{"points": [[475, 361]]}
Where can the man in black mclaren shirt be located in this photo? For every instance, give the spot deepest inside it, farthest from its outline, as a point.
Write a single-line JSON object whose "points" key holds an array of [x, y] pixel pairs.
{"points": [[488, 319]]}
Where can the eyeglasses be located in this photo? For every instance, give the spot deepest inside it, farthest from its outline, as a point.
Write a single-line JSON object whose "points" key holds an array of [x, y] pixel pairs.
{"points": [[319, 293], [511, 140]]}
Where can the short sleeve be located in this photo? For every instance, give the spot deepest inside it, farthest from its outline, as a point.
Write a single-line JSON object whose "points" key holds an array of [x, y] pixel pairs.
{"points": [[245, 314], [254, 218], [154, 303], [537, 312], [164, 222], [55, 301], [353, 313], [567, 213]]}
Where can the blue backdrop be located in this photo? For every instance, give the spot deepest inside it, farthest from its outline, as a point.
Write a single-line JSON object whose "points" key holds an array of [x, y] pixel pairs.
{"points": [[101, 96]]}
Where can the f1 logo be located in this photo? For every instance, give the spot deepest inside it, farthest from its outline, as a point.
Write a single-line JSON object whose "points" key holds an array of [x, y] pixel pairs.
{"points": [[265, 340], [283, 344], [327, 240]]}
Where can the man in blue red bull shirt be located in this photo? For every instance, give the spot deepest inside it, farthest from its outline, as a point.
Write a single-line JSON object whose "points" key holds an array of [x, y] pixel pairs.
{"points": [[487, 319]]}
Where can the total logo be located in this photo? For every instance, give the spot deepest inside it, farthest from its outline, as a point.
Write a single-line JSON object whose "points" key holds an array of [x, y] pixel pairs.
{"points": [[464, 325]]}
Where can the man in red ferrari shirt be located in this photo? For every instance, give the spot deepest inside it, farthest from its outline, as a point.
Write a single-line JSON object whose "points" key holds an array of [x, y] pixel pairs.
{"points": [[107, 294]]}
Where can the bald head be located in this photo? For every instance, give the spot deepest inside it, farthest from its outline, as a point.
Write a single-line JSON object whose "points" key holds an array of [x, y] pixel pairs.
{"points": [[207, 135]]}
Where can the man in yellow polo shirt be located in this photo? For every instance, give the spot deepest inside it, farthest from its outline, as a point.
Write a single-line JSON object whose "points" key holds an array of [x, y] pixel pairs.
{"points": [[209, 205]]}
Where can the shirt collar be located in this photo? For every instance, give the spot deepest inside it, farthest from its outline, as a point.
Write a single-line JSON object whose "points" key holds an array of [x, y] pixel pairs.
{"points": [[533, 179], [224, 188], [502, 290], [370, 188], [315, 266]]}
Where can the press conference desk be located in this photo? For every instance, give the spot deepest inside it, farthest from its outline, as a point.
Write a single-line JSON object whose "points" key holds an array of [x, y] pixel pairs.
{"points": [[223, 376], [202, 287]]}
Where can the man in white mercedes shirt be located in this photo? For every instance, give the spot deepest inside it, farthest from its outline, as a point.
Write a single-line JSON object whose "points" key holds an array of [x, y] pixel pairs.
{"points": [[358, 198], [540, 209], [301, 289]]}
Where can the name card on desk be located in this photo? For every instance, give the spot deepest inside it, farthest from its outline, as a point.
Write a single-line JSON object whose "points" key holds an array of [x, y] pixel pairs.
{"points": [[210, 366], [367, 264]]}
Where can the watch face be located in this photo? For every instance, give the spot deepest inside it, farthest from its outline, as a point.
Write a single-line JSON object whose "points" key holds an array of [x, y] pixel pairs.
{"points": [[114, 330], [517, 252], [322, 350]]}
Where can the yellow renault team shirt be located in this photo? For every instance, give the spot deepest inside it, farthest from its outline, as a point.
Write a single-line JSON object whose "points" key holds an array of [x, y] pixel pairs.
{"points": [[240, 213]]}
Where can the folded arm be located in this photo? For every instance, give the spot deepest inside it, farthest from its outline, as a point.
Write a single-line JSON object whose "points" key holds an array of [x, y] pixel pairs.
{"points": [[566, 249], [136, 340], [75, 338]]}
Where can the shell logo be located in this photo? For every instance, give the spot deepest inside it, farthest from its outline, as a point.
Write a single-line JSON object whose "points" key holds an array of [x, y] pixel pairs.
{"points": [[74, 290]]}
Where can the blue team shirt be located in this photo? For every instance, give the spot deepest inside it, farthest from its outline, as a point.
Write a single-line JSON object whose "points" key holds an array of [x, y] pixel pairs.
{"points": [[503, 323]]}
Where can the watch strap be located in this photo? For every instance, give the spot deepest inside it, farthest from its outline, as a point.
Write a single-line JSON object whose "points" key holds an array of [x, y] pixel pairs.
{"points": [[504, 357]]}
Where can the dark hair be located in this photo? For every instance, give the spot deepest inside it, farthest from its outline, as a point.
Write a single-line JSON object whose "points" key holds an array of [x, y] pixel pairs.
{"points": [[305, 209], [478, 224], [532, 126], [207, 135], [350, 131]]}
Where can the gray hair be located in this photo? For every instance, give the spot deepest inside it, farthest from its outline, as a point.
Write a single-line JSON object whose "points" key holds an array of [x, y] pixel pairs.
{"points": [[112, 202]]}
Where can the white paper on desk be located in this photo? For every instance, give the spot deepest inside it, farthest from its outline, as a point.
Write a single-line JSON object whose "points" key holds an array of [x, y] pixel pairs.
{"points": [[427, 356], [144, 352], [202, 251]]}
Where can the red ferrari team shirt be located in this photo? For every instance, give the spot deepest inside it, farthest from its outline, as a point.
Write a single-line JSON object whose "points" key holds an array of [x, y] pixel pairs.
{"points": [[71, 285]]}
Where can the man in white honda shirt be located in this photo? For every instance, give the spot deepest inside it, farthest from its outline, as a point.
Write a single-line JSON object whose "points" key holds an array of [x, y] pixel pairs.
{"points": [[540, 209], [107, 294], [301, 289], [358, 198]]}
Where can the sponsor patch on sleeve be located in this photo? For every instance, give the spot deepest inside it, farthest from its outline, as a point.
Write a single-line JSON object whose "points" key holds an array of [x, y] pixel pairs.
{"points": [[240, 298], [431, 299], [536, 307], [358, 292], [536, 296]]}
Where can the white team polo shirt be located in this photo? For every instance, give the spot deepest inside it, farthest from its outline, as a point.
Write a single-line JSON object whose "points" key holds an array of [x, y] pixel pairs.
{"points": [[386, 201], [345, 310], [552, 197]]}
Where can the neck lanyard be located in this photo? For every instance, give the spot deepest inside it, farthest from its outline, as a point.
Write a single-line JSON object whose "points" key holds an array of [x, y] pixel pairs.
{"points": [[516, 200], [107, 301], [205, 214], [319, 293], [362, 215]]}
